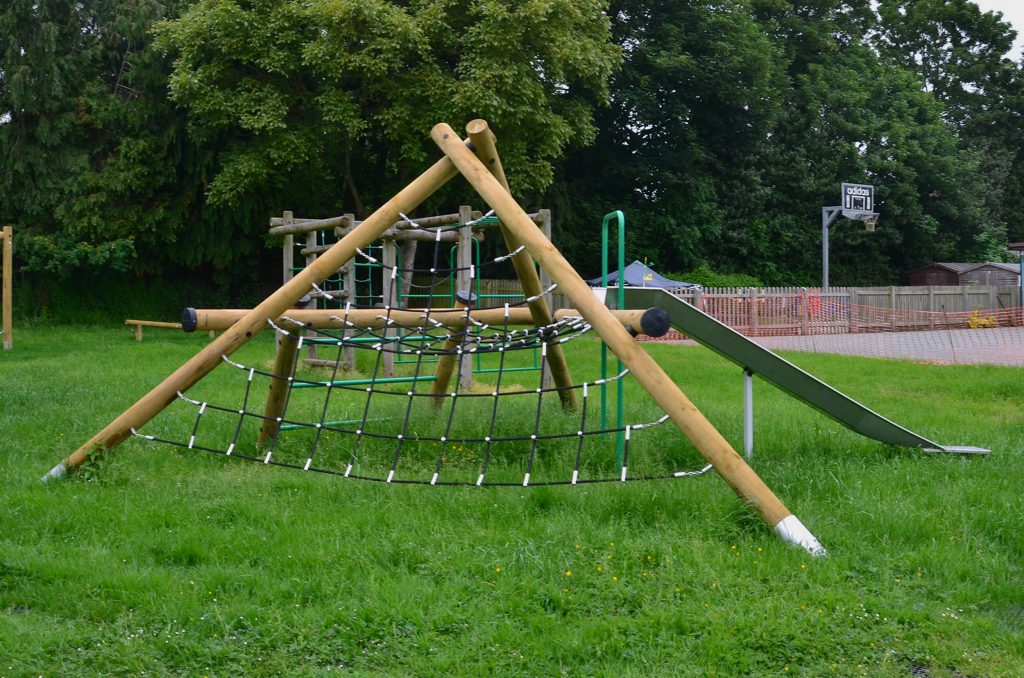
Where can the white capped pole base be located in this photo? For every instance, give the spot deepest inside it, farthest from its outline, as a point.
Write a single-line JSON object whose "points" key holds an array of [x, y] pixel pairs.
{"points": [[791, 530], [748, 414], [55, 473]]}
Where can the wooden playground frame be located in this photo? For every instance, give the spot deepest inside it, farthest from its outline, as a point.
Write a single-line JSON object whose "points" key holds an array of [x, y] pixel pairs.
{"points": [[398, 244], [477, 161]]}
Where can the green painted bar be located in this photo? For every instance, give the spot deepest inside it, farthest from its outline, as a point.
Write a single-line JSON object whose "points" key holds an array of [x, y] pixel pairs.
{"points": [[619, 416]]}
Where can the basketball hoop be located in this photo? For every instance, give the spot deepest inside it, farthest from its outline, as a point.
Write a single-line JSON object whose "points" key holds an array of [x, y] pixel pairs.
{"points": [[870, 221]]}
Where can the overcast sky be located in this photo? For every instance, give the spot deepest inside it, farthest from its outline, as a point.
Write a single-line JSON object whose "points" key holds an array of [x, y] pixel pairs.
{"points": [[1013, 12]]}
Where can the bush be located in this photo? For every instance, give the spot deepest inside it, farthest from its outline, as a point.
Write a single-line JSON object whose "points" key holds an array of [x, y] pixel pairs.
{"points": [[703, 275]]}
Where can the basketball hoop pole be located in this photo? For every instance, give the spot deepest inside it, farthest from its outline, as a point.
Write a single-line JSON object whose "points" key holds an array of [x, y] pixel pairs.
{"points": [[858, 204], [828, 216]]}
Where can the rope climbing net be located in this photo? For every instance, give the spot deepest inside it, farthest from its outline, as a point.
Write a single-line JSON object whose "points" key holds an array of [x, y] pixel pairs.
{"points": [[404, 428]]}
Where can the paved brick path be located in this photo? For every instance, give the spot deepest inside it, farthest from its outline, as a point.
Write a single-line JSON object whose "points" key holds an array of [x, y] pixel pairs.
{"points": [[995, 346]]}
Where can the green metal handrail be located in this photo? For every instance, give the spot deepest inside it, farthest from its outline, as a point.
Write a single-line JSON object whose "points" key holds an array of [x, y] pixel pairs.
{"points": [[621, 300]]}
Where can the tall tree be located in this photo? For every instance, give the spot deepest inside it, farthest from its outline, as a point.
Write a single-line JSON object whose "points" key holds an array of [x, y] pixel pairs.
{"points": [[74, 112], [958, 50], [853, 115], [97, 167], [961, 54], [690, 111], [329, 102]]}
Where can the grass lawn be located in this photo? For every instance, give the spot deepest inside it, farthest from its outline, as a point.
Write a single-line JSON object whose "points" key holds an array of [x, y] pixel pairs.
{"points": [[163, 561]]}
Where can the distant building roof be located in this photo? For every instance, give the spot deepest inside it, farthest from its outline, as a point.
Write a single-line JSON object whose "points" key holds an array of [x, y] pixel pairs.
{"points": [[958, 267], [641, 275]]}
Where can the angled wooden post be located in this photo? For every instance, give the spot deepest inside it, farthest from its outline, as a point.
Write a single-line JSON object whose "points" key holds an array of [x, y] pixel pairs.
{"points": [[483, 145], [277, 394], [708, 441], [255, 320], [448, 359]]}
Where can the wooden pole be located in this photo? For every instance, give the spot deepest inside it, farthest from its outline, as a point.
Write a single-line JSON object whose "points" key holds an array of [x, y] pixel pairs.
{"points": [[407, 248], [255, 320], [465, 278], [448, 359], [287, 252], [401, 235], [311, 241], [547, 381], [348, 277], [139, 324], [277, 396], [729, 465], [389, 290], [8, 286], [487, 152], [287, 256], [207, 319], [464, 298], [279, 227]]}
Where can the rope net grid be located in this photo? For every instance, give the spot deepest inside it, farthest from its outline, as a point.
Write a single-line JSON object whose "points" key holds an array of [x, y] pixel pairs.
{"points": [[397, 430]]}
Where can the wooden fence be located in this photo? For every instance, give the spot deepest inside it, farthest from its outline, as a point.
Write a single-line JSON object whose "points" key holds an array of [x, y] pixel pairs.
{"points": [[767, 311]]}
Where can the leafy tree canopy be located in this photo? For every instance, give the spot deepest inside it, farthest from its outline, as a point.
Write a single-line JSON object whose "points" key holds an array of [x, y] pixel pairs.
{"points": [[302, 98], [159, 135]]}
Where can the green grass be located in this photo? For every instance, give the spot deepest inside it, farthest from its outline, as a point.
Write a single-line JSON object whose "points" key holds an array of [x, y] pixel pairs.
{"points": [[174, 562]]}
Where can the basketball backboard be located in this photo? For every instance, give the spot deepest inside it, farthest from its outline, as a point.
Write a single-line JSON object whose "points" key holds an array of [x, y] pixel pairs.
{"points": [[857, 198]]}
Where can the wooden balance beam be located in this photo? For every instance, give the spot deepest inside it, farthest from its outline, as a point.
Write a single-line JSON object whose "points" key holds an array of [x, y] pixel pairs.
{"points": [[139, 324]]}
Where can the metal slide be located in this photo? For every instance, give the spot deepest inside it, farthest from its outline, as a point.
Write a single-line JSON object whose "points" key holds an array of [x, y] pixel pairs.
{"points": [[732, 345]]}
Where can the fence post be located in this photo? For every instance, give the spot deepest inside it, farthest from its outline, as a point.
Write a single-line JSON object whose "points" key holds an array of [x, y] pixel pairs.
{"points": [[892, 307], [752, 302], [8, 284], [804, 301], [931, 307], [851, 310]]}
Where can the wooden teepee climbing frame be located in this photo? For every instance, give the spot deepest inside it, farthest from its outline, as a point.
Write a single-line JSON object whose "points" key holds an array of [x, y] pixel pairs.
{"points": [[519, 228]]}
